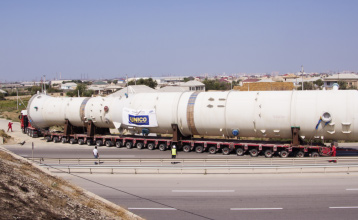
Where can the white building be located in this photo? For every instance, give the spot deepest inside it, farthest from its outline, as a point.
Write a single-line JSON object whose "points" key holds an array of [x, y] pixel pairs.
{"points": [[69, 86]]}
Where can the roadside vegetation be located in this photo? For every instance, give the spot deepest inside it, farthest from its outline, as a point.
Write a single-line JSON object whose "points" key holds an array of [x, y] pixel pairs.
{"points": [[148, 82], [80, 90], [9, 110], [216, 84]]}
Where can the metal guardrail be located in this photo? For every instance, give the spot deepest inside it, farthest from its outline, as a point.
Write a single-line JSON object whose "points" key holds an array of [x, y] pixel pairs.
{"points": [[204, 161], [202, 169], [201, 166]]}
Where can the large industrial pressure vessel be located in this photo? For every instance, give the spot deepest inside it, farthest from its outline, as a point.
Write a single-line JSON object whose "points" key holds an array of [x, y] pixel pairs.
{"points": [[271, 114]]}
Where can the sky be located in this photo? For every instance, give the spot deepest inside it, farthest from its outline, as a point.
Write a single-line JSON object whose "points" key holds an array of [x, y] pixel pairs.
{"points": [[109, 39]]}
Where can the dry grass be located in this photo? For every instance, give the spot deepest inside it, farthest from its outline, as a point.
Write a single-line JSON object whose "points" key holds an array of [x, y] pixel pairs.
{"points": [[265, 86], [48, 196]]}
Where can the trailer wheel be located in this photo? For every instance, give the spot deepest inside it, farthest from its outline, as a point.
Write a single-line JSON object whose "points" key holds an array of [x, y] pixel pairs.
{"points": [[254, 152], [284, 154], [129, 145], [212, 150], [118, 144], [226, 151], [81, 141], [240, 151], [56, 140], [48, 138], [72, 141], [139, 145], [151, 146], [300, 154], [199, 149], [99, 143], [186, 148], [89, 142], [314, 154], [162, 147], [268, 153], [64, 140], [108, 143]]}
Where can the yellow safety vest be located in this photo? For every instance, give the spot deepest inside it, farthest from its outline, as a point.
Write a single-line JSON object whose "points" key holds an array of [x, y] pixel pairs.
{"points": [[174, 151]]}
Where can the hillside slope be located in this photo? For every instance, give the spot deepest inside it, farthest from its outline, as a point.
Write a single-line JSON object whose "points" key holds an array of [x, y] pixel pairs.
{"points": [[27, 192]]}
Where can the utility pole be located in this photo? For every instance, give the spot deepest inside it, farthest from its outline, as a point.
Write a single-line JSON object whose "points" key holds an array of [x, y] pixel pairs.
{"points": [[17, 98], [302, 75], [127, 83], [44, 83]]}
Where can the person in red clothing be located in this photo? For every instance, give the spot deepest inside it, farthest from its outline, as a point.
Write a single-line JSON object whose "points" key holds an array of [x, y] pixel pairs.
{"points": [[9, 126], [334, 151]]}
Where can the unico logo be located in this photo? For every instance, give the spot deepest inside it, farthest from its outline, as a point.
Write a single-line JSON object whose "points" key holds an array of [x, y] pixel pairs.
{"points": [[139, 119]]}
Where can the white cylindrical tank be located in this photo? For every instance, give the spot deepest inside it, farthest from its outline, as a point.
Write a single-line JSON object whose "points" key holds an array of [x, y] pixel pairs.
{"points": [[271, 114]]}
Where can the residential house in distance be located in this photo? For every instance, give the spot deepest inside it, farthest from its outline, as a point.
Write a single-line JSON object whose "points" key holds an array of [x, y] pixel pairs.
{"points": [[350, 79], [103, 88], [69, 86], [193, 85], [2, 91]]}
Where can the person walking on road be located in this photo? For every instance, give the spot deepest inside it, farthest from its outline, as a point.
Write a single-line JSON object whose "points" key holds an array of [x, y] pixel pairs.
{"points": [[174, 152], [95, 153], [9, 126]]}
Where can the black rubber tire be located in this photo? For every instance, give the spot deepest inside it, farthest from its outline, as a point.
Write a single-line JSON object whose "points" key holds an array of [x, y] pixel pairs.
{"points": [[140, 145], [73, 141], [240, 151], [199, 149], [226, 151], [48, 139], [129, 145], [89, 142], [162, 147], [81, 141], [56, 140], [108, 143], [212, 150], [300, 154], [314, 154], [99, 143], [268, 153], [63, 140], [284, 154], [254, 152], [118, 144], [186, 148], [151, 146]]}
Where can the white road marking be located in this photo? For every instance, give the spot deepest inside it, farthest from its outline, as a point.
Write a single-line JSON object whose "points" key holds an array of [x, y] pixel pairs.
{"points": [[345, 207], [249, 209], [205, 191], [351, 189], [152, 209]]}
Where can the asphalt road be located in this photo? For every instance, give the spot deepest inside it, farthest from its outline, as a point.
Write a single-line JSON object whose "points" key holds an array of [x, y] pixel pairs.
{"points": [[59, 150], [303, 196], [245, 196]]}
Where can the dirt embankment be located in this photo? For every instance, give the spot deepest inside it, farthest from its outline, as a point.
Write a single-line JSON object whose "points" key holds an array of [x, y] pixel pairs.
{"points": [[27, 192], [6, 138]]}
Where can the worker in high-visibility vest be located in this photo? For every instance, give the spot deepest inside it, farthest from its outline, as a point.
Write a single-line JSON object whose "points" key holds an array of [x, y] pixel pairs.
{"points": [[174, 152]]}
